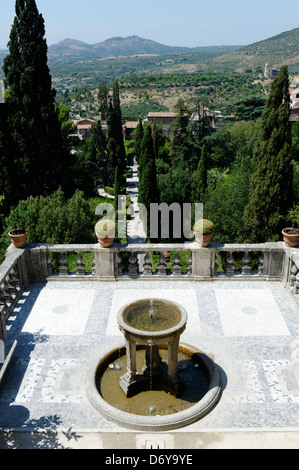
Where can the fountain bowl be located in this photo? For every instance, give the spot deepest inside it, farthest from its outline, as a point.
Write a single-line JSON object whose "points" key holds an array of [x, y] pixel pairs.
{"points": [[153, 423], [174, 322]]}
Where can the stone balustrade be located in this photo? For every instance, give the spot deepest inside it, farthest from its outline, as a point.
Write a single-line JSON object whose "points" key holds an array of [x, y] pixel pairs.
{"points": [[157, 261], [13, 278], [144, 262]]}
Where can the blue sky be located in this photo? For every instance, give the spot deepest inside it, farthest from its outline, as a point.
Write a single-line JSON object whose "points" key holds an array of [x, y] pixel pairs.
{"points": [[173, 22]]}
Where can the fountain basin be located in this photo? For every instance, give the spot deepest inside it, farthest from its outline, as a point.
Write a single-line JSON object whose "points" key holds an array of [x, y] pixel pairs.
{"points": [[154, 423], [169, 320]]}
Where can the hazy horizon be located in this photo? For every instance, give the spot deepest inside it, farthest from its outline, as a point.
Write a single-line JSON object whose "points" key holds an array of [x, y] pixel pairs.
{"points": [[192, 23]]}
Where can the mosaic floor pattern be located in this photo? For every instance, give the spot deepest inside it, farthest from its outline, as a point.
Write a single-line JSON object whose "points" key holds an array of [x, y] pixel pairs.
{"points": [[251, 330]]}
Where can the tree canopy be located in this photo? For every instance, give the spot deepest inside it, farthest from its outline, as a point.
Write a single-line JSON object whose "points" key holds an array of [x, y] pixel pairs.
{"points": [[35, 155], [271, 184]]}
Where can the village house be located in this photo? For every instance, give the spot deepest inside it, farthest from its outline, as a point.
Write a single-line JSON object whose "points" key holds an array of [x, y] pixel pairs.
{"points": [[84, 127], [164, 118], [270, 72], [128, 129], [294, 94]]}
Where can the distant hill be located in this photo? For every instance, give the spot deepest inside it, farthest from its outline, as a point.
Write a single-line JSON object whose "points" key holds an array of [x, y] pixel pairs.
{"points": [[279, 50], [72, 50]]}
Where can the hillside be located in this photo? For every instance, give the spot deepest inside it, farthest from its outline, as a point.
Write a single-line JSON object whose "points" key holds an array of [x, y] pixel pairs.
{"points": [[279, 50], [134, 54], [71, 49]]}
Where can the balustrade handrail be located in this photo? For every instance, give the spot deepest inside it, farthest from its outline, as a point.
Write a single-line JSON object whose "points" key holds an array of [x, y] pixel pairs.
{"points": [[193, 246], [33, 264], [202, 262]]}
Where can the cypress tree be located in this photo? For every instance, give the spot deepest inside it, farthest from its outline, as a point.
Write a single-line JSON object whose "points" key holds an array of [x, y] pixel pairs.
{"points": [[116, 187], [181, 147], [202, 174], [103, 100], [39, 163], [97, 157], [138, 138], [6, 173], [148, 190], [271, 185], [117, 153]]}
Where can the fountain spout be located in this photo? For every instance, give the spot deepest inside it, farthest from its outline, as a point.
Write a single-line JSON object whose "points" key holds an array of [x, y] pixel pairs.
{"points": [[151, 309]]}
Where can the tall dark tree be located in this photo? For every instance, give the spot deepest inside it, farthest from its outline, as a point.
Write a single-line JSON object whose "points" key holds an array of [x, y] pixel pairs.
{"points": [[116, 187], [138, 134], [148, 190], [103, 100], [38, 160], [117, 153], [181, 147], [201, 105], [96, 156], [6, 172], [271, 185], [200, 177]]}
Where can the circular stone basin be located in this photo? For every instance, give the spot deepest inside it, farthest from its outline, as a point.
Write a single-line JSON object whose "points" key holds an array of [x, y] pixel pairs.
{"points": [[151, 315], [158, 412], [156, 320]]}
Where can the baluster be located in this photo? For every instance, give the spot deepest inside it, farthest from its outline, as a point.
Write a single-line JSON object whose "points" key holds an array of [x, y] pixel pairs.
{"points": [[49, 265], [147, 266], [93, 266], [162, 265], [14, 278], [177, 267], [216, 266], [189, 267], [230, 268], [2, 300], [118, 266], [297, 284], [7, 293], [8, 286], [294, 272], [133, 267], [246, 268], [63, 268], [12, 283], [80, 270], [261, 265], [3, 332]]}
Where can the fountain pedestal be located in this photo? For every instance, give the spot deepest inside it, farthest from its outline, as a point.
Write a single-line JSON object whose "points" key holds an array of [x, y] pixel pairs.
{"points": [[152, 333], [153, 362]]}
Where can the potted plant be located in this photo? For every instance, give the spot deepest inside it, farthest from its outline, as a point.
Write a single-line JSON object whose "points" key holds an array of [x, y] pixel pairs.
{"points": [[291, 234], [18, 234], [203, 230], [105, 232]]}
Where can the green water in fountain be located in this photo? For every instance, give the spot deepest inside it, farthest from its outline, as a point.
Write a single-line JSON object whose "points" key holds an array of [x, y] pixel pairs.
{"points": [[152, 315], [154, 402]]}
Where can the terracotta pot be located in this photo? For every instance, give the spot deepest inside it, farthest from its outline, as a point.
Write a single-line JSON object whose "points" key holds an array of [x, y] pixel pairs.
{"points": [[203, 240], [105, 242], [19, 241], [291, 239]]}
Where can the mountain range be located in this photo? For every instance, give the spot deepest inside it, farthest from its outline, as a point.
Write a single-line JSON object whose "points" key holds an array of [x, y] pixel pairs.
{"points": [[282, 49], [72, 49]]}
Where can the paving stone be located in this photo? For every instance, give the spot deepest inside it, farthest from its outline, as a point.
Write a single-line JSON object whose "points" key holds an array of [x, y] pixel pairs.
{"points": [[250, 329]]}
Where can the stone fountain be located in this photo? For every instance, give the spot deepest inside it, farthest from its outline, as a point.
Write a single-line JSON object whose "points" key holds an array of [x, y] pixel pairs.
{"points": [[152, 323], [153, 383]]}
